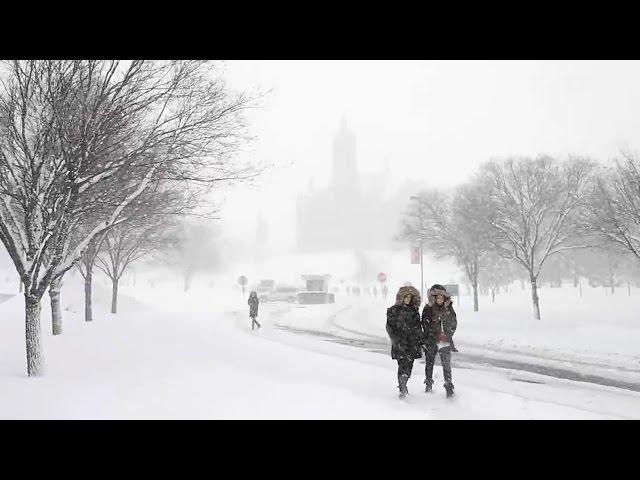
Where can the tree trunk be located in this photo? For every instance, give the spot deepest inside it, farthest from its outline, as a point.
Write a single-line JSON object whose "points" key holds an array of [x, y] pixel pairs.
{"points": [[56, 313], [114, 295], [35, 359], [534, 297], [580, 286], [629, 287], [493, 295], [88, 308], [20, 291], [611, 278], [475, 295]]}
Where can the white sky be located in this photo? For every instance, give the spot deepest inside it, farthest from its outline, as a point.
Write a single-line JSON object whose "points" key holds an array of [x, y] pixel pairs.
{"points": [[433, 120]]}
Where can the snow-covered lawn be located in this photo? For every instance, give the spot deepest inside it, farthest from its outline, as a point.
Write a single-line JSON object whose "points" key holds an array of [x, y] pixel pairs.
{"points": [[173, 355]]}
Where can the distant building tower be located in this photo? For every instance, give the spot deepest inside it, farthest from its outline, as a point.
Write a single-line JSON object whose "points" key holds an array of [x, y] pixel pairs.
{"points": [[352, 212], [345, 166]]}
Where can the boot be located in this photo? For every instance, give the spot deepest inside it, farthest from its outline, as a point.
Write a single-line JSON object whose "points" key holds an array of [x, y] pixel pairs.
{"points": [[402, 385], [449, 388], [428, 388]]}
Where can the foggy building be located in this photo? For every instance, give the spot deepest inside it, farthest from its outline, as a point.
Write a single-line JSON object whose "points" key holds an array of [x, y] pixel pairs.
{"points": [[354, 211]]}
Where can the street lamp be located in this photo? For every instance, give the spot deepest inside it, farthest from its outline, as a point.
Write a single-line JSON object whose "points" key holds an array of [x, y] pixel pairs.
{"points": [[413, 197]]}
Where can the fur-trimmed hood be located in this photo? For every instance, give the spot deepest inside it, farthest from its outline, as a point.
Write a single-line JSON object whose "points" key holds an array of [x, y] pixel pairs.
{"points": [[404, 291], [436, 290]]}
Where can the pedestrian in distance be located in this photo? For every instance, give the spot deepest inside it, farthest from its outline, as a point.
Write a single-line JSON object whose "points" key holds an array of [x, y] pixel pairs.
{"points": [[253, 309]]}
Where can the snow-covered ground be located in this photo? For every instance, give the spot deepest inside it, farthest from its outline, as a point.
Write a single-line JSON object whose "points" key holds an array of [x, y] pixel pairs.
{"points": [[168, 354]]}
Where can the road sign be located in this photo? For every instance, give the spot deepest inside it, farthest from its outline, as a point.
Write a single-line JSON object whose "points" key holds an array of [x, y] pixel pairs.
{"points": [[382, 277], [452, 289], [415, 255], [242, 280]]}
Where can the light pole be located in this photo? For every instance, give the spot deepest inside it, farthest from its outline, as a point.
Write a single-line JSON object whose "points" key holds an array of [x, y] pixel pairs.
{"points": [[413, 197]]}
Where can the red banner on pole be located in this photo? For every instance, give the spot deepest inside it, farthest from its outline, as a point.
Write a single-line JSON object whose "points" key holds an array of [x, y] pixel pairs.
{"points": [[415, 255]]}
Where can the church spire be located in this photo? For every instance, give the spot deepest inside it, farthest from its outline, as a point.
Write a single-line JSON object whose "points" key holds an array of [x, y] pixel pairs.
{"points": [[343, 123], [345, 168]]}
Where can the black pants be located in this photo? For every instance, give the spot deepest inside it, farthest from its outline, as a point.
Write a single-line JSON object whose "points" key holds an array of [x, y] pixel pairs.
{"points": [[254, 322], [445, 359], [405, 365]]}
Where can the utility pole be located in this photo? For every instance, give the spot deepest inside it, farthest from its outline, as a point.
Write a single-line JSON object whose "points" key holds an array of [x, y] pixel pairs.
{"points": [[413, 197], [421, 274]]}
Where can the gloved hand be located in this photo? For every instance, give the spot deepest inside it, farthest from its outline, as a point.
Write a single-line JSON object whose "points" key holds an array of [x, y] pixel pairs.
{"points": [[453, 347]]}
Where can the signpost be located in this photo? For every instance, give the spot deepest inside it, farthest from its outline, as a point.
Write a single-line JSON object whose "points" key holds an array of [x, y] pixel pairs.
{"points": [[416, 257], [242, 280], [454, 290], [417, 251]]}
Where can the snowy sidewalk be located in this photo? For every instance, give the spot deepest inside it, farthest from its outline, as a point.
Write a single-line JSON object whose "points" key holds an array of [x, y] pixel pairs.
{"points": [[195, 360]]}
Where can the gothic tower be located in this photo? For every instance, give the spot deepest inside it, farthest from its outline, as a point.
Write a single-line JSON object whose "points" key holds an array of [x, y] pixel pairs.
{"points": [[345, 167]]}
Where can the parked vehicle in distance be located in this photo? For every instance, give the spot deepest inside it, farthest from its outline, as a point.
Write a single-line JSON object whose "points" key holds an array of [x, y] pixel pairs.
{"points": [[263, 288], [282, 293]]}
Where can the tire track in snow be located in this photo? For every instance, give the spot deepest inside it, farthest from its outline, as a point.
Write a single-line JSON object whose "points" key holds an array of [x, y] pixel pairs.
{"points": [[376, 344]]}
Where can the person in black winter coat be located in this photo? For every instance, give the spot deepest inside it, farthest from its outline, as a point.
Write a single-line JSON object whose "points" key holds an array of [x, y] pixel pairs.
{"points": [[253, 309], [439, 323], [405, 332]]}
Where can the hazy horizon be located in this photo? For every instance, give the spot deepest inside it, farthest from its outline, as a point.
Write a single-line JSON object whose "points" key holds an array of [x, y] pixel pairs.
{"points": [[423, 117]]}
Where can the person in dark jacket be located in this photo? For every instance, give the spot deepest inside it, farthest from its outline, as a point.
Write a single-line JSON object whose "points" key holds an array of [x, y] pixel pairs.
{"points": [[439, 323], [253, 309], [405, 331]]}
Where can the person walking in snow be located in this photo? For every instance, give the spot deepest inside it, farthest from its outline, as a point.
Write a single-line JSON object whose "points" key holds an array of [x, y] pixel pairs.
{"points": [[439, 323], [253, 309], [405, 332]]}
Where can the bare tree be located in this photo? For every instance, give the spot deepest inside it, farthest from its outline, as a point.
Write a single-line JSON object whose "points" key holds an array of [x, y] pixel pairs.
{"points": [[614, 210], [495, 272], [534, 209], [127, 243], [85, 267], [192, 249], [451, 226], [66, 127]]}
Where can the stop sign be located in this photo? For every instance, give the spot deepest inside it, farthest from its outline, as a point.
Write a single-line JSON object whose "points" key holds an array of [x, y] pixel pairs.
{"points": [[242, 280], [382, 277]]}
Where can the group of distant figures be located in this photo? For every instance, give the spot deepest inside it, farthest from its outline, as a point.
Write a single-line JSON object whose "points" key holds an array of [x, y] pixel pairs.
{"points": [[355, 291]]}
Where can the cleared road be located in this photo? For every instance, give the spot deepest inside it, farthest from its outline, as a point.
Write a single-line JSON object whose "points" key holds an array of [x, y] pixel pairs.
{"points": [[350, 336]]}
